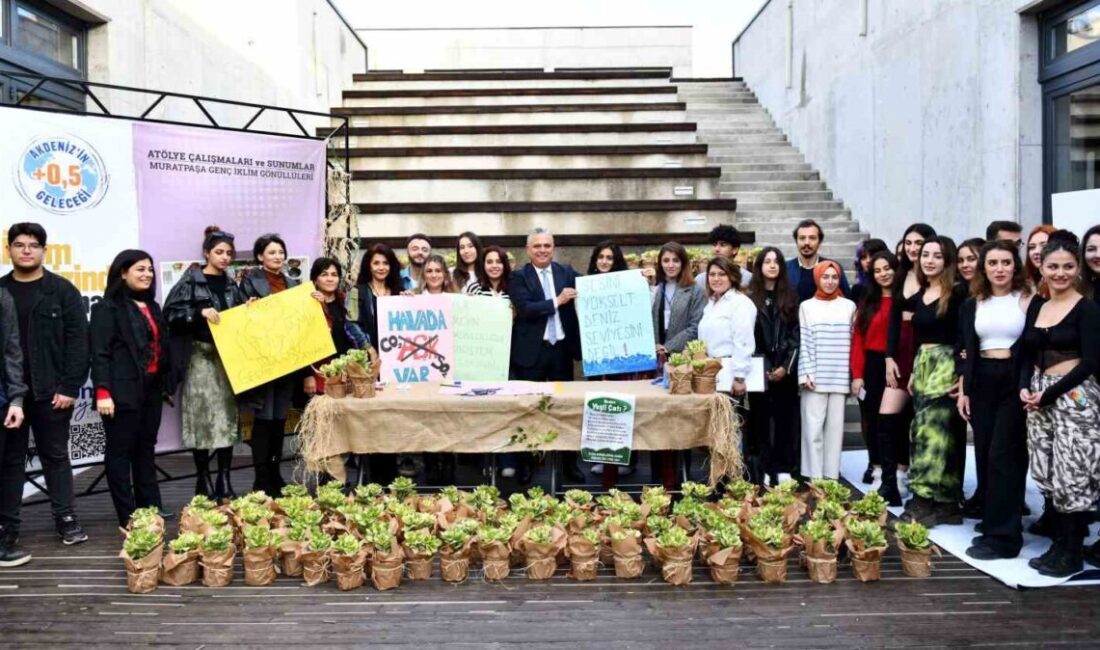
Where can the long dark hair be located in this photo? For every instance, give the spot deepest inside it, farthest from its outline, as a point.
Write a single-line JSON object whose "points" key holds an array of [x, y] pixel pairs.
{"points": [[461, 275], [785, 298], [904, 265], [1088, 276], [946, 279], [686, 279], [869, 249], [619, 262], [872, 298], [483, 277], [116, 285], [393, 279], [980, 286]]}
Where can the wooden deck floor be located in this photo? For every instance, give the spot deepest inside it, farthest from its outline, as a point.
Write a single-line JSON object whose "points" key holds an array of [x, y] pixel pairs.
{"points": [[77, 596]]}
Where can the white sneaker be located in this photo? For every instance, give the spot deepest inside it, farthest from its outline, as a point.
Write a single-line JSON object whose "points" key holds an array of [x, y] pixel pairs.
{"points": [[903, 484], [508, 472], [597, 469], [876, 478], [783, 477]]}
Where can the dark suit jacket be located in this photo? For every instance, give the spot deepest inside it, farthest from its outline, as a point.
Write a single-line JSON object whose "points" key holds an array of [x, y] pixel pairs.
{"points": [[533, 308], [118, 357]]}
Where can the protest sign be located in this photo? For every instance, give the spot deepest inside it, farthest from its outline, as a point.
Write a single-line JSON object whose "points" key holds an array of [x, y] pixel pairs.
{"points": [[616, 323], [482, 337], [272, 337], [415, 338]]}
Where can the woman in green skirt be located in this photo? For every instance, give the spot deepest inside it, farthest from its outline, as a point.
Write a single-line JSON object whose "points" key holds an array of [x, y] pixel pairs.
{"points": [[935, 469], [207, 403]]}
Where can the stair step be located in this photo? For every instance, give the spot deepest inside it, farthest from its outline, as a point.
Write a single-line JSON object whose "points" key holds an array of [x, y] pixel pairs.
{"points": [[784, 228], [755, 188], [488, 162], [488, 223], [797, 214], [745, 161], [781, 205], [755, 173], [528, 139], [577, 188], [466, 83], [596, 117]]}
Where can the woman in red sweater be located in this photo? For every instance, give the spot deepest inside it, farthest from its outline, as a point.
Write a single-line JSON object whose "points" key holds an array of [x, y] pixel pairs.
{"points": [[868, 365]]}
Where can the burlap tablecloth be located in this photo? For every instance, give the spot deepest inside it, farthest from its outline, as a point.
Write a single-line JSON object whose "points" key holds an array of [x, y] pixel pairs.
{"points": [[421, 419]]}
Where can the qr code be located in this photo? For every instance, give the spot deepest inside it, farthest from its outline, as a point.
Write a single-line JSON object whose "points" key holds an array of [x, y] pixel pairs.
{"points": [[86, 440]]}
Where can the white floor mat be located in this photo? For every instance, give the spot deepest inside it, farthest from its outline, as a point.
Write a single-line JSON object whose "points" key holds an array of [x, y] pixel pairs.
{"points": [[956, 539]]}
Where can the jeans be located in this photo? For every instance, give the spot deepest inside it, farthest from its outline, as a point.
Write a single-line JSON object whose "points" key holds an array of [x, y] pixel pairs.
{"points": [[51, 435]]}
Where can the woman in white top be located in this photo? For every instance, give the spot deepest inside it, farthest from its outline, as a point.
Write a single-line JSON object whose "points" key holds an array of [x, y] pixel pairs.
{"points": [[729, 320], [990, 324], [825, 325]]}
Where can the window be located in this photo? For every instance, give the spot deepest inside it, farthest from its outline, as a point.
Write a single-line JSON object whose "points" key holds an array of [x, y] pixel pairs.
{"points": [[1076, 131], [46, 36], [1074, 32]]}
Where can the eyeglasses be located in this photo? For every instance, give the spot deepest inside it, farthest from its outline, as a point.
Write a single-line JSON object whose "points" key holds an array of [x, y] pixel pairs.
{"points": [[27, 246]]}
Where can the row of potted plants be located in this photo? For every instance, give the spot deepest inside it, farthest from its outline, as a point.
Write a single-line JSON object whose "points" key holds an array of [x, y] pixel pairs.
{"points": [[393, 533]]}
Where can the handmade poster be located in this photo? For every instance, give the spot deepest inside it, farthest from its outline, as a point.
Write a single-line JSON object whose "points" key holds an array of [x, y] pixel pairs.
{"points": [[272, 337], [482, 337], [416, 338], [607, 428], [616, 323]]}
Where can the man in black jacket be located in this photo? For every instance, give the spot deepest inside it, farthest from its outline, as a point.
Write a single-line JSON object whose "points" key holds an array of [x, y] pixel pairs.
{"points": [[545, 335], [53, 331]]}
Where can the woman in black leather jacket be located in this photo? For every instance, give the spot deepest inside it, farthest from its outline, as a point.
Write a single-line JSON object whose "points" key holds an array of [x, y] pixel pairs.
{"points": [[777, 340]]}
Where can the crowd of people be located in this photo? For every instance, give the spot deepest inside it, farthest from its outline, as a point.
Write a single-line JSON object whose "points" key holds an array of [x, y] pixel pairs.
{"points": [[930, 337]]}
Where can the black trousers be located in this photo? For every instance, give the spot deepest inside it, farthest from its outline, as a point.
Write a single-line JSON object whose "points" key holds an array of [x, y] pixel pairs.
{"points": [[552, 363], [1000, 452], [874, 385], [776, 427], [131, 453], [51, 437], [267, 455]]}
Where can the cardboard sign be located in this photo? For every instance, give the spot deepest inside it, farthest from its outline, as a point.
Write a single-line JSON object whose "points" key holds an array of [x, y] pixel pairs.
{"points": [[616, 323], [416, 338], [272, 337]]}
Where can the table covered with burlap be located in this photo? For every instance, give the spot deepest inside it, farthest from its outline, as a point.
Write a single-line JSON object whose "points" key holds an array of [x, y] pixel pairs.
{"points": [[422, 419]]}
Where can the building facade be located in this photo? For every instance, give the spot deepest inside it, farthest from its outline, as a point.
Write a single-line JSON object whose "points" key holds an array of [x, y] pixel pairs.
{"points": [[301, 55], [951, 112]]}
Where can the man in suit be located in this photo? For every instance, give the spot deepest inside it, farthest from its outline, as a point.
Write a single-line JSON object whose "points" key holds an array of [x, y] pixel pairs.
{"points": [[545, 334]]}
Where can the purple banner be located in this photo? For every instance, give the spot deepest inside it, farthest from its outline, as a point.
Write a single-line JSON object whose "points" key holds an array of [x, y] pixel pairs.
{"points": [[248, 184]]}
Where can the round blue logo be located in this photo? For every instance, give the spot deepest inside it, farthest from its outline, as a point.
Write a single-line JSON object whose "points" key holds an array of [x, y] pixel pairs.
{"points": [[61, 174]]}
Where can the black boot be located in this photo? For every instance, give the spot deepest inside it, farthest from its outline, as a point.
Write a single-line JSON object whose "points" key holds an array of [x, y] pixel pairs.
{"points": [[1044, 525], [889, 488], [202, 472], [1092, 554], [261, 454], [1066, 560], [223, 484], [275, 448]]}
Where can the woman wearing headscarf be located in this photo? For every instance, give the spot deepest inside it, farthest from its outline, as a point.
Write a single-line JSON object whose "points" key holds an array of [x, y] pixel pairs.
{"points": [[825, 325]]}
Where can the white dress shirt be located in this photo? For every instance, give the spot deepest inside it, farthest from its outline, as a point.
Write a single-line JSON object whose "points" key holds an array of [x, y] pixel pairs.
{"points": [[549, 275], [728, 330]]}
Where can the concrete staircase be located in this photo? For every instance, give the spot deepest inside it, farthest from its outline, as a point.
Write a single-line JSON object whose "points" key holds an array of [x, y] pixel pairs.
{"points": [[630, 155], [774, 186]]}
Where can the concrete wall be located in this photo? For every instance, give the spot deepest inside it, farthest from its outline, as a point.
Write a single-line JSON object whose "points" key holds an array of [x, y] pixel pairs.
{"points": [[292, 53], [933, 115], [414, 50]]}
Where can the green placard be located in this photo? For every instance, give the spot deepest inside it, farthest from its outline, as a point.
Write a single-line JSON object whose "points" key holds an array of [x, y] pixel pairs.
{"points": [[607, 428], [482, 337]]}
